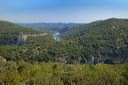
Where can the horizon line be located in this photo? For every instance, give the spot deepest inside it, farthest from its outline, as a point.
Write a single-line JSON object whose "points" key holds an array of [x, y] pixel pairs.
{"points": [[61, 22]]}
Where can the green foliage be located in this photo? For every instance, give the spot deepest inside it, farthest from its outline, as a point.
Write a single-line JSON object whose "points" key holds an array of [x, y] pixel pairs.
{"points": [[105, 41], [98, 42], [125, 73], [22, 73]]}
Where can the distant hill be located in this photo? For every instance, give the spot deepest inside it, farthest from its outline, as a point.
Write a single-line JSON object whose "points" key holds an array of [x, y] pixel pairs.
{"points": [[97, 26], [8, 27], [51, 27]]}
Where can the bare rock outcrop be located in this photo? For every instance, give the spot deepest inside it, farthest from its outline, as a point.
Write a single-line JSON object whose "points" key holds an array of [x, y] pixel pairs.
{"points": [[21, 38]]}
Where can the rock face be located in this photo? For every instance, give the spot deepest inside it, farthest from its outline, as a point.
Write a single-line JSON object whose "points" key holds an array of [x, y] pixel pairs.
{"points": [[21, 38], [16, 38], [36, 35], [56, 36], [2, 59]]}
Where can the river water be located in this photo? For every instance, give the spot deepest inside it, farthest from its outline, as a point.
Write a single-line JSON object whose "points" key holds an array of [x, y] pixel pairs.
{"points": [[56, 36]]}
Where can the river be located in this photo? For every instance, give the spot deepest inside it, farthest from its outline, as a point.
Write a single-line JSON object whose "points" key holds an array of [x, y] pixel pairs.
{"points": [[56, 36]]}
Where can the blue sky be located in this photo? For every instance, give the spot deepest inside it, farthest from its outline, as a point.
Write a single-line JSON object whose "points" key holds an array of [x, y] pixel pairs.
{"points": [[78, 11]]}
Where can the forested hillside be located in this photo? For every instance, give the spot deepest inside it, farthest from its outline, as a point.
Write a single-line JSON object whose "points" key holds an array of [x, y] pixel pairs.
{"points": [[102, 40], [8, 27], [12, 34], [96, 26], [97, 42], [88, 54]]}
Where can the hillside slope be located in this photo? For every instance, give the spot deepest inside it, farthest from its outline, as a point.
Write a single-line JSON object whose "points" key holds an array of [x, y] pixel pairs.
{"points": [[102, 41], [96, 26], [97, 42], [8, 27], [11, 34]]}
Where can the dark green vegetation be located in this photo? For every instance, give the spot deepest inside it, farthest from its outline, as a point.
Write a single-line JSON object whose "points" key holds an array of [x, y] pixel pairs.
{"points": [[21, 73], [104, 41], [97, 42], [101, 41]]}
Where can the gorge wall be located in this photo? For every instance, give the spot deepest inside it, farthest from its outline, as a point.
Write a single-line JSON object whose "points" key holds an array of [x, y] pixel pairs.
{"points": [[17, 38]]}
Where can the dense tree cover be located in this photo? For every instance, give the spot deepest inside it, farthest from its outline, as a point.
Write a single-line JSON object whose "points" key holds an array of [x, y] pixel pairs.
{"points": [[97, 27], [44, 51], [98, 42], [103, 41], [23, 73]]}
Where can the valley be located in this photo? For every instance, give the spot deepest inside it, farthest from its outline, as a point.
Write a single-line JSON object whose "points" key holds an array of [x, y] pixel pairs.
{"points": [[93, 43], [97, 51], [63, 42]]}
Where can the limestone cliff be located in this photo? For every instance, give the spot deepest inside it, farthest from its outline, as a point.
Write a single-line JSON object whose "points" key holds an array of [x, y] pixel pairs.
{"points": [[21, 38]]}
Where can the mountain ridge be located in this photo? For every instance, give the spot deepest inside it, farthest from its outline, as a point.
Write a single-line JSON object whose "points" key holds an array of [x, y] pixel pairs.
{"points": [[52, 27]]}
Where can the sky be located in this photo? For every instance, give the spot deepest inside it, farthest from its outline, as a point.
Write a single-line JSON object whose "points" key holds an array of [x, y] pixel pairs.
{"points": [[62, 11]]}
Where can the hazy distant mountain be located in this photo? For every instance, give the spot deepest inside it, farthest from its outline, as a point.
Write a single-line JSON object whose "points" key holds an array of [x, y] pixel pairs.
{"points": [[49, 26]]}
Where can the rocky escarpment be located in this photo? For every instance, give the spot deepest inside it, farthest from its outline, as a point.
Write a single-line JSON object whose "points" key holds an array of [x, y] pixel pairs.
{"points": [[17, 38]]}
